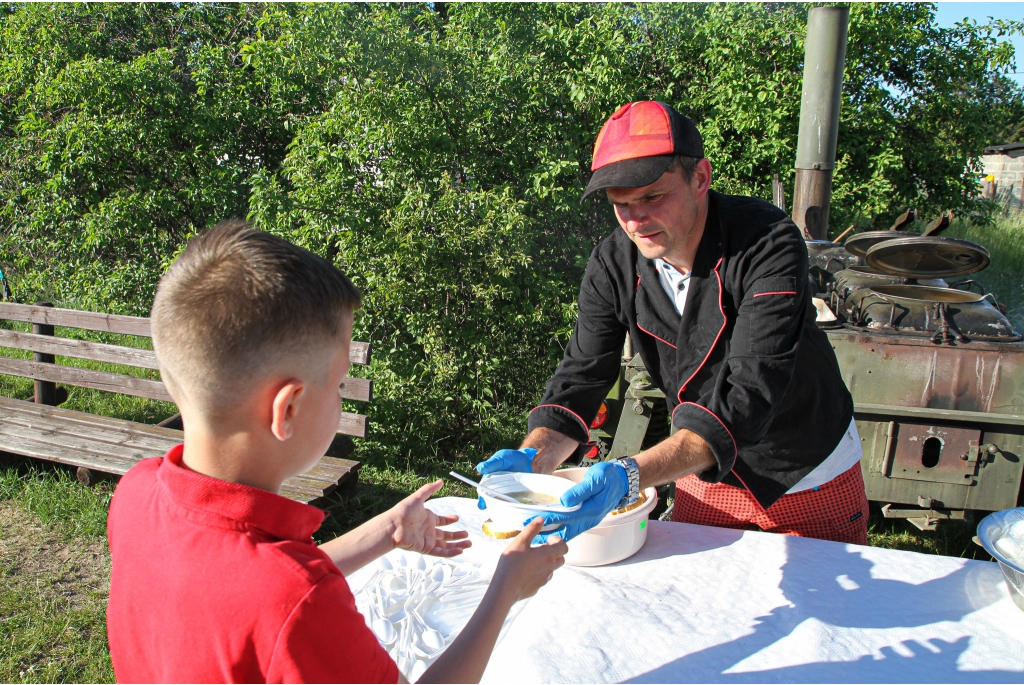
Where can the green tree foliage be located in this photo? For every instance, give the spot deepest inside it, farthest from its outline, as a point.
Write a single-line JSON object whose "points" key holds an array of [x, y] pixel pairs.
{"points": [[437, 153], [126, 128]]}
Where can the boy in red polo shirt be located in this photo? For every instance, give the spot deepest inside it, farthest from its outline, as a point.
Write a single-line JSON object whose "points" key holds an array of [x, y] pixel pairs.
{"points": [[215, 576]]}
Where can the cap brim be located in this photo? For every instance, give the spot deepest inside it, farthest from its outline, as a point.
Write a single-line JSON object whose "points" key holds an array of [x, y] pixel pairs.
{"points": [[629, 173]]}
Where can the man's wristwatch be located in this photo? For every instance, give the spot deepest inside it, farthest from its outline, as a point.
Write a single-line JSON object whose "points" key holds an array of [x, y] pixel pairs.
{"points": [[633, 474]]}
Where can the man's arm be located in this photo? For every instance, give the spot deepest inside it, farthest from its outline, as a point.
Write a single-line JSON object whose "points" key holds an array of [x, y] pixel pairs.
{"points": [[592, 358], [552, 447], [588, 370], [674, 457]]}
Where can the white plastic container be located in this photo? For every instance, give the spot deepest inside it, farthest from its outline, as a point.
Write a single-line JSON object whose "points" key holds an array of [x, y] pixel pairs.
{"points": [[617, 537], [509, 516]]}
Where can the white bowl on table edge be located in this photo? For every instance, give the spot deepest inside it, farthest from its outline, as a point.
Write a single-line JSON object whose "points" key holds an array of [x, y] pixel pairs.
{"points": [[617, 537], [511, 516], [990, 530]]}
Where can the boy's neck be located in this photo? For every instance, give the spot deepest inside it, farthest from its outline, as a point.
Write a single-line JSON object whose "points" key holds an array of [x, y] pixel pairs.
{"points": [[236, 457]]}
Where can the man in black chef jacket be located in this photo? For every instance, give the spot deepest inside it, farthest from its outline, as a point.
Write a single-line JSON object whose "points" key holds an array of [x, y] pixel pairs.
{"points": [[713, 290]]}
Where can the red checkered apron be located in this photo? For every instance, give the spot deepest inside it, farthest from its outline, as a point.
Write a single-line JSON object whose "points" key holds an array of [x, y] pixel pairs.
{"points": [[837, 510]]}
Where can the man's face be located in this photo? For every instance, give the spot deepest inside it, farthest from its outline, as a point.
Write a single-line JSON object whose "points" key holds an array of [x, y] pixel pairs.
{"points": [[666, 218]]}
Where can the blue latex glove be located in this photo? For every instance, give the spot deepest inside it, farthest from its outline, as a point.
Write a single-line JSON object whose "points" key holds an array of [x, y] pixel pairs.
{"points": [[509, 460], [600, 491]]}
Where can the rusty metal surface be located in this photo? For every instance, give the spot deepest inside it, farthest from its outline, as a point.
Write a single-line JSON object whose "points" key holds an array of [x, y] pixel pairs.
{"points": [[996, 483], [914, 372], [933, 453], [954, 383]]}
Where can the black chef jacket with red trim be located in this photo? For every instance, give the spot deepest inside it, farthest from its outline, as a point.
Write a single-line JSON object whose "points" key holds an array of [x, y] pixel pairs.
{"points": [[745, 367]]}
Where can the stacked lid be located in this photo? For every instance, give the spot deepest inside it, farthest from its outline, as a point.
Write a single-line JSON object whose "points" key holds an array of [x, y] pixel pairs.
{"points": [[910, 255]]}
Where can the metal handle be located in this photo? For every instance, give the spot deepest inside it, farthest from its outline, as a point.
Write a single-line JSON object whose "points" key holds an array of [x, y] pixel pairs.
{"points": [[841, 263], [862, 311], [970, 282], [991, 296]]}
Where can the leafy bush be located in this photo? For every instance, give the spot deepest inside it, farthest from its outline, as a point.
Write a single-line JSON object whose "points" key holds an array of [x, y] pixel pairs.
{"points": [[437, 154]]}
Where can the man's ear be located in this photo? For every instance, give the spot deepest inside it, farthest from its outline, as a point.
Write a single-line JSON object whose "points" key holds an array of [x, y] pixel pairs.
{"points": [[284, 409], [702, 174]]}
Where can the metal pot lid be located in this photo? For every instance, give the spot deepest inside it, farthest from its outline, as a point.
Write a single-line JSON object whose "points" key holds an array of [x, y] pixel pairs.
{"points": [[862, 242], [870, 272], [927, 257], [924, 293]]}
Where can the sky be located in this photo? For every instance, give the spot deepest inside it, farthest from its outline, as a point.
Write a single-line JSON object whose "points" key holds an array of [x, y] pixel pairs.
{"points": [[949, 13]]}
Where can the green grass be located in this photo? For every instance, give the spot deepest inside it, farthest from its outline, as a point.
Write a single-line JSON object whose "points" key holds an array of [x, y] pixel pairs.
{"points": [[53, 496], [1004, 240], [54, 574], [951, 538], [48, 639]]}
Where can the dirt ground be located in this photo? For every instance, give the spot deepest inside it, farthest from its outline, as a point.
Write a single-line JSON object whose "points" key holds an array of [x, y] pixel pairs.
{"points": [[53, 594], [75, 569]]}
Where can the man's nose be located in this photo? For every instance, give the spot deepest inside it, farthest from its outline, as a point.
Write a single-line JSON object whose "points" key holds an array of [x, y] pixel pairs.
{"points": [[633, 218]]}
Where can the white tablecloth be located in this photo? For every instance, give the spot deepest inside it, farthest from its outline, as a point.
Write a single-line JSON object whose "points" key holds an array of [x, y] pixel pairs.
{"points": [[700, 604]]}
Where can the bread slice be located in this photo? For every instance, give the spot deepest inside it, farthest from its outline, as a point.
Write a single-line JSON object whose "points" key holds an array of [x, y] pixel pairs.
{"points": [[630, 507], [493, 531]]}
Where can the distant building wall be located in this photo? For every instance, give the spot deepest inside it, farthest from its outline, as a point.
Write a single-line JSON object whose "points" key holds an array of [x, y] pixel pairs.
{"points": [[1007, 169]]}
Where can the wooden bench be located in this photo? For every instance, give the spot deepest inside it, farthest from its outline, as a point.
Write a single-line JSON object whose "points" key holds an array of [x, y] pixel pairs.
{"points": [[37, 428]]}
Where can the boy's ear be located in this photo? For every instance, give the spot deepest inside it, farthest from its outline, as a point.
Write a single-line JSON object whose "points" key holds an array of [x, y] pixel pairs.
{"points": [[284, 409]]}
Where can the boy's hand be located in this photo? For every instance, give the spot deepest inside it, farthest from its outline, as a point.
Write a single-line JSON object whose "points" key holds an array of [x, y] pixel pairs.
{"points": [[522, 569], [417, 529]]}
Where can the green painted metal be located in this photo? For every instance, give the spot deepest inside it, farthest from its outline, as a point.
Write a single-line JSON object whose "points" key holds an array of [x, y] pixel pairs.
{"points": [[638, 407], [824, 60], [968, 396], [944, 415]]}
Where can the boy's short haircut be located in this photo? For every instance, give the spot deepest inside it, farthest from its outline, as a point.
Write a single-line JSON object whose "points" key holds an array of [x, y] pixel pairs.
{"points": [[237, 300]]}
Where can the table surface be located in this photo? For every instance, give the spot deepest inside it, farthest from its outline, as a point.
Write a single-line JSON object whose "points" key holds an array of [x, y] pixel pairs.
{"points": [[702, 604]]}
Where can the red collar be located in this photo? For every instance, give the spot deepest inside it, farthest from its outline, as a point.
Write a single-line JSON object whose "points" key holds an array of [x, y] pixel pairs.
{"points": [[224, 503]]}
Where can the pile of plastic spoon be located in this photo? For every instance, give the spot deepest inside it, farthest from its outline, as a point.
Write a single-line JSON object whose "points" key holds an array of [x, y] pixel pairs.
{"points": [[416, 606]]}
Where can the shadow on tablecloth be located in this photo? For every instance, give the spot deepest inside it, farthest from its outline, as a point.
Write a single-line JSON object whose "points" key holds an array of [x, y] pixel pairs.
{"points": [[893, 604]]}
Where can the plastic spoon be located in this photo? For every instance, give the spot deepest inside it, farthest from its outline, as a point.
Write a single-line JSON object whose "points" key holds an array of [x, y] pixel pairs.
{"points": [[420, 571], [438, 575], [385, 631], [493, 493]]}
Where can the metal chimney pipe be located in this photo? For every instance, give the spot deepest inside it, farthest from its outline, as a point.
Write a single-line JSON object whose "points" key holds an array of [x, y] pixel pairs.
{"points": [[824, 60]]}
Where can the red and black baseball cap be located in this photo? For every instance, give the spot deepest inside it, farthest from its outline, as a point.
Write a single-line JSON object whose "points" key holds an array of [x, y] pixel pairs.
{"points": [[637, 144]]}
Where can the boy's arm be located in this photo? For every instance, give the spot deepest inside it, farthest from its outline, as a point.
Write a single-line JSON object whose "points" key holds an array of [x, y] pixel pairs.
{"points": [[408, 525], [521, 571]]}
